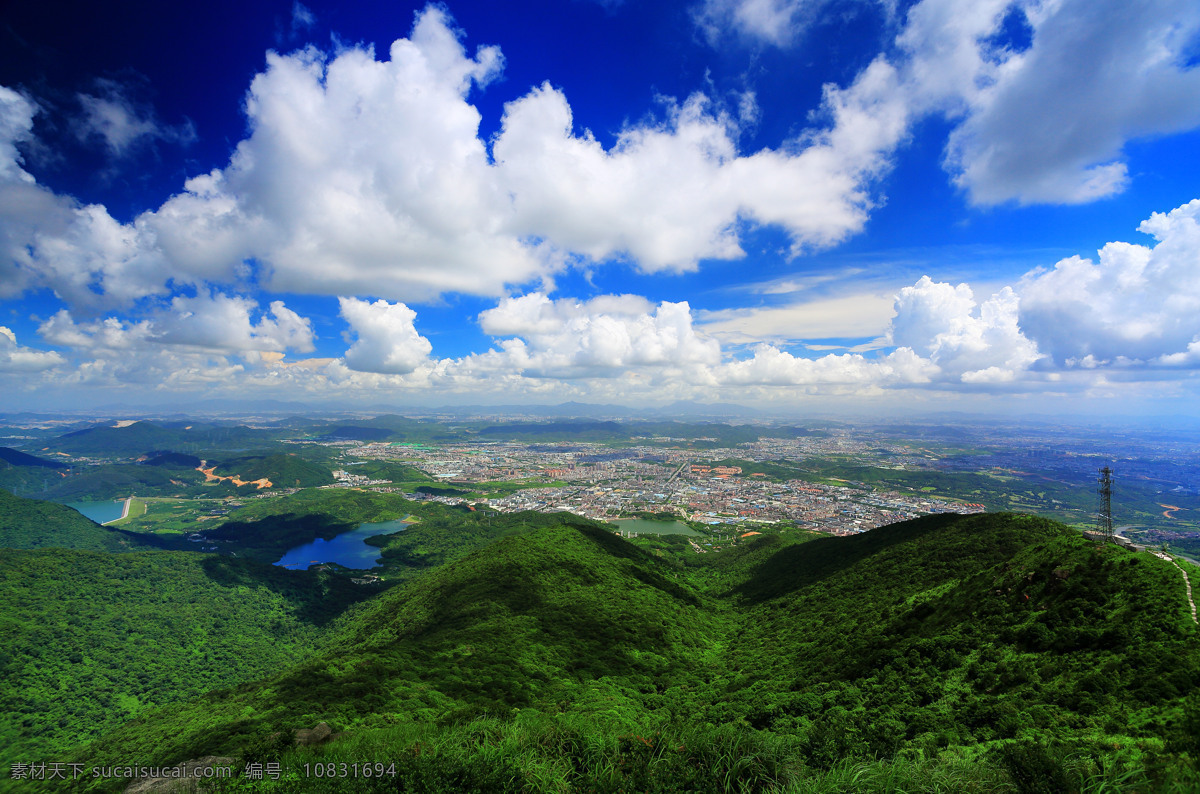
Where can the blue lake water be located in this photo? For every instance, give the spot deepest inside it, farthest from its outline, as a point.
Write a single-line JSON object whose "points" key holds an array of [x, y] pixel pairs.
{"points": [[100, 512], [347, 549]]}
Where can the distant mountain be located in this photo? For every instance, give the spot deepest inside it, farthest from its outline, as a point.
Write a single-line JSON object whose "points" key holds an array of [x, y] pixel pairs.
{"points": [[281, 470], [15, 457], [175, 460], [140, 438], [352, 433]]}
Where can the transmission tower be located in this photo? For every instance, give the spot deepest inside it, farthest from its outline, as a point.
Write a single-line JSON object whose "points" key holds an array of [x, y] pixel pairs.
{"points": [[1104, 524]]}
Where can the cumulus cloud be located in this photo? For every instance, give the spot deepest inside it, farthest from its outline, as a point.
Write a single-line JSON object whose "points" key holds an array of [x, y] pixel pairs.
{"points": [[1050, 122], [1136, 304], [1043, 121], [81, 252], [368, 176], [772, 21], [215, 322], [363, 176], [598, 338], [387, 341], [770, 366], [16, 358], [974, 343]]}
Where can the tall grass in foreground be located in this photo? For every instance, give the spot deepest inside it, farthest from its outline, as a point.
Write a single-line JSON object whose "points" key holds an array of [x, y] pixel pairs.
{"points": [[541, 753]]}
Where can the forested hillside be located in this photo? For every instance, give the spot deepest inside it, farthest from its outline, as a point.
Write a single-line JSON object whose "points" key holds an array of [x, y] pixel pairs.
{"points": [[91, 639], [34, 524], [986, 651]]}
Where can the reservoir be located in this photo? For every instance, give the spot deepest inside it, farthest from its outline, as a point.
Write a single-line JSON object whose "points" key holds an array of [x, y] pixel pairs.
{"points": [[642, 526], [100, 512], [347, 549]]}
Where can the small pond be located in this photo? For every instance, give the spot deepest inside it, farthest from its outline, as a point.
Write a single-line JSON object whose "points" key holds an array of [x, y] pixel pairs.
{"points": [[348, 549], [100, 512]]}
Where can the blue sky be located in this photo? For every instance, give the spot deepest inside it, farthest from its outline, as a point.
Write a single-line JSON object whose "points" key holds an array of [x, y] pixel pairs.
{"points": [[818, 205]]}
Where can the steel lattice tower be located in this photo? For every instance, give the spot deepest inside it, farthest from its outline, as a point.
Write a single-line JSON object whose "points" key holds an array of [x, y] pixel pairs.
{"points": [[1104, 523]]}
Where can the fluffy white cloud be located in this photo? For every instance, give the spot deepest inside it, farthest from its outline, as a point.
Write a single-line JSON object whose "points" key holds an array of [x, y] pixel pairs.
{"points": [[362, 176], [1044, 123], [1136, 304], [223, 322], [367, 176], [81, 252], [16, 125], [16, 358], [771, 366], [772, 21], [973, 343], [218, 322], [1050, 122], [387, 341], [1047, 124], [597, 338]]}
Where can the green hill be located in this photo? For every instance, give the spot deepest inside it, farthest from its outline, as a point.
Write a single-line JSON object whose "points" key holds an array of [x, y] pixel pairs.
{"points": [[16, 457], [91, 639], [995, 652], [139, 438], [116, 480], [282, 470], [33, 524]]}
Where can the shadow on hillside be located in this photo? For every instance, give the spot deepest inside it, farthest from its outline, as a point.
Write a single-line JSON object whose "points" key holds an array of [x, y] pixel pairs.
{"points": [[798, 566], [316, 597]]}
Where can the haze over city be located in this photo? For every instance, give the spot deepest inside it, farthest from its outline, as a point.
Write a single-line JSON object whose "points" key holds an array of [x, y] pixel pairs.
{"points": [[838, 205]]}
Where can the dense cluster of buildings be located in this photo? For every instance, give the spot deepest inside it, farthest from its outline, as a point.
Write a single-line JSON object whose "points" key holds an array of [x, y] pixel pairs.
{"points": [[606, 482]]}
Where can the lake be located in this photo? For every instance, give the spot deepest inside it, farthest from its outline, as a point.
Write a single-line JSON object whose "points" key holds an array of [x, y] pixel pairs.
{"points": [[348, 549], [642, 526], [100, 512]]}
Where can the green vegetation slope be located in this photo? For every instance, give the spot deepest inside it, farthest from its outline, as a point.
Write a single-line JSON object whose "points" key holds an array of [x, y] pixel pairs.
{"points": [[562, 657]]}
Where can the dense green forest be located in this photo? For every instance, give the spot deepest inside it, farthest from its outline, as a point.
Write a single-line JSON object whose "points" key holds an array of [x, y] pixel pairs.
{"points": [[282, 470], [993, 652], [32, 524], [91, 639]]}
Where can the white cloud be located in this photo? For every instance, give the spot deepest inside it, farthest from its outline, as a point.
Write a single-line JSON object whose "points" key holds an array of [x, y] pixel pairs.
{"points": [[81, 252], [216, 323], [387, 341], [670, 195], [16, 125], [363, 176], [847, 316], [222, 322], [973, 343], [770, 366], [1051, 125], [1137, 303], [1046, 124], [772, 21], [775, 22], [598, 338], [115, 118], [16, 358]]}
